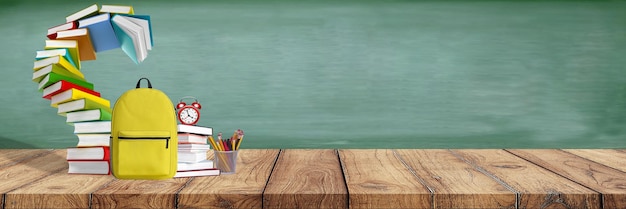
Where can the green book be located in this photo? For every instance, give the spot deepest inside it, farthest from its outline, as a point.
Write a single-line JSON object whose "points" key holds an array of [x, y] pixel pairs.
{"points": [[52, 78], [53, 68], [88, 115]]}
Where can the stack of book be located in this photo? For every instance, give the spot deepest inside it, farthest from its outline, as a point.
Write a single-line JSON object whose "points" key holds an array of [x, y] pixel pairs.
{"points": [[57, 71], [105, 28], [192, 151], [89, 160]]}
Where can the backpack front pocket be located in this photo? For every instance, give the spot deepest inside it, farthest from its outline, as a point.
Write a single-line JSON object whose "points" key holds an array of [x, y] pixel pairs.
{"points": [[144, 153]]}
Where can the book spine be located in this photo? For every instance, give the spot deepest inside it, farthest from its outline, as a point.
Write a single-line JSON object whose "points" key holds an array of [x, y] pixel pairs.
{"points": [[53, 78], [78, 94], [66, 85]]}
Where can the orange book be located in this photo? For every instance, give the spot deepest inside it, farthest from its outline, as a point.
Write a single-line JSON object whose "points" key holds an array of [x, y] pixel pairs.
{"points": [[81, 35]]}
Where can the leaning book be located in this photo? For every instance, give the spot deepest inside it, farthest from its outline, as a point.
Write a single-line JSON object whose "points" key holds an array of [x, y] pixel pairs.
{"points": [[80, 104], [88, 115]]}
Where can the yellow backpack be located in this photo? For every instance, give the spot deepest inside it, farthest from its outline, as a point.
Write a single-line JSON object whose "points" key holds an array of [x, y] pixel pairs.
{"points": [[144, 140]]}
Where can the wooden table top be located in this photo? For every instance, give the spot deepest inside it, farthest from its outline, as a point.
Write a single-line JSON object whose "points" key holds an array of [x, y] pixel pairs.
{"points": [[344, 178]]}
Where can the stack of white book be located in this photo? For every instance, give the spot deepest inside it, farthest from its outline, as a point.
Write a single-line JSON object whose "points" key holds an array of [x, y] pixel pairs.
{"points": [[192, 151]]}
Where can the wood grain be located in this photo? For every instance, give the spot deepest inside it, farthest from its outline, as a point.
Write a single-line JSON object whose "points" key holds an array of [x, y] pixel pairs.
{"points": [[244, 189], [455, 183], [609, 182], [60, 190], [537, 187], [305, 178], [460, 178], [29, 170], [610, 157], [139, 194], [378, 179], [14, 156]]}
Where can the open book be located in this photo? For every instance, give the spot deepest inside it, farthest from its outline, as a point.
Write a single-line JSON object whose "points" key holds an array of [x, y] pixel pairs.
{"points": [[135, 35]]}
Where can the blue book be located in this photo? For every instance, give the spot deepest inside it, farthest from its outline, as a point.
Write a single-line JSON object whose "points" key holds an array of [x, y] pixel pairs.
{"points": [[149, 31], [134, 34], [126, 43], [101, 32]]}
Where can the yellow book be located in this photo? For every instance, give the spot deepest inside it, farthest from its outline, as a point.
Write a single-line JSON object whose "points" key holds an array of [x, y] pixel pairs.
{"points": [[118, 9], [80, 104], [75, 94], [70, 45], [60, 60], [53, 68]]}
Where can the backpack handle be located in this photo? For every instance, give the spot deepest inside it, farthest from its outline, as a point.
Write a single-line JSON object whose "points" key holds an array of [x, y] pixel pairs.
{"points": [[139, 82]]}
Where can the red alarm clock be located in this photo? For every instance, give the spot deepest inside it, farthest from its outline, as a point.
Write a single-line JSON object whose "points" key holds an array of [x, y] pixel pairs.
{"points": [[188, 114]]}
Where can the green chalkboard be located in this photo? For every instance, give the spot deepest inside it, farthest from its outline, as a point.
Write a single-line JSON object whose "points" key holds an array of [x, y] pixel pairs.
{"points": [[353, 74]]}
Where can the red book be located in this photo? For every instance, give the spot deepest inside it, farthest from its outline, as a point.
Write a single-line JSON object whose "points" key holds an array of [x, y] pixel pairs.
{"points": [[87, 153], [62, 86], [52, 32]]}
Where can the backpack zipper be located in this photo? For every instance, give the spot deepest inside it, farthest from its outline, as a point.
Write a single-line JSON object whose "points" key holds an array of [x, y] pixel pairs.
{"points": [[167, 139]]}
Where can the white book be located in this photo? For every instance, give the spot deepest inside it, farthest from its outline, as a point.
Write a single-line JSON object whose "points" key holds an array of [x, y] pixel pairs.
{"points": [[94, 140], [195, 129], [202, 165], [87, 153], [193, 147], [186, 138], [50, 53], [105, 8], [82, 13], [191, 157], [208, 172], [92, 127], [88, 167], [136, 34]]}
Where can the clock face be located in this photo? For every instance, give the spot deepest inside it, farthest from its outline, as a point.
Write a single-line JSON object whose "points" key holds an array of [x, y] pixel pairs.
{"points": [[188, 115]]}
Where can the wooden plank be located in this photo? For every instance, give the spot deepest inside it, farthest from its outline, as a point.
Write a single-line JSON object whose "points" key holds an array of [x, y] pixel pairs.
{"points": [[60, 190], [609, 157], [455, 183], [29, 170], [306, 178], [138, 194], [244, 189], [609, 182], [378, 179], [537, 187], [13, 156]]}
